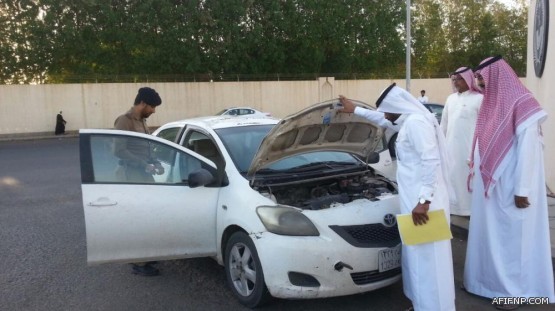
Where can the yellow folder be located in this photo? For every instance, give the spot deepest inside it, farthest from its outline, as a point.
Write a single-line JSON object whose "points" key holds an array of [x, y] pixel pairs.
{"points": [[435, 229]]}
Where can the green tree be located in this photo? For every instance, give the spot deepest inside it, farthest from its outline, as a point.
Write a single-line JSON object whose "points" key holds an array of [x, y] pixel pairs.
{"points": [[55, 41], [512, 26], [21, 55], [430, 43], [454, 33]]}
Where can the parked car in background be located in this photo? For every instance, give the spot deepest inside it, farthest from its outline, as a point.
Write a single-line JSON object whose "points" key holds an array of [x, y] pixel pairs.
{"points": [[436, 109], [286, 206], [387, 162], [243, 111]]}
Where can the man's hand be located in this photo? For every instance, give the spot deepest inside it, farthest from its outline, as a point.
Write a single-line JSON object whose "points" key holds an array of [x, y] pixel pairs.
{"points": [[155, 169], [159, 168], [150, 168], [420, 214], [521, 202], [348, 106]]}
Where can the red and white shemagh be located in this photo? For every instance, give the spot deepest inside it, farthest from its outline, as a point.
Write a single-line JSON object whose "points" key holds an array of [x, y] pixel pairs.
{"points": [[508, 108], [468, 75]]}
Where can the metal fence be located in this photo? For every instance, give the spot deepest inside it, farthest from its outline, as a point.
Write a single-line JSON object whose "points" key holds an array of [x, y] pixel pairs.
{"points": [[150, 78]]}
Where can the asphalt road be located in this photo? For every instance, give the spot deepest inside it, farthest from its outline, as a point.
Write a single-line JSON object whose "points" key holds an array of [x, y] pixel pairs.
{"points": [[43, 252]]}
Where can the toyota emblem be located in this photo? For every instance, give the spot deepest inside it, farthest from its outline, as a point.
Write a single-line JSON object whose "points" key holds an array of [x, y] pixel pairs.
{"points": [[389, 220]]}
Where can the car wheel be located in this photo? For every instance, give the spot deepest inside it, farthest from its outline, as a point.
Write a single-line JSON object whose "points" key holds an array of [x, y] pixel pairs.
{"points": [[244, 271], [391, 146]]}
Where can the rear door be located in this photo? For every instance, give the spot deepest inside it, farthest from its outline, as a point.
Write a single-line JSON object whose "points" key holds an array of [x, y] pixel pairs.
{"points": [[131, 215]]}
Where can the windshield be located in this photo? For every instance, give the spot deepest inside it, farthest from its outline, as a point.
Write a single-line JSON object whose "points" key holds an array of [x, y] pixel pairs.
{"points": [[242, 144], [219, 113]]}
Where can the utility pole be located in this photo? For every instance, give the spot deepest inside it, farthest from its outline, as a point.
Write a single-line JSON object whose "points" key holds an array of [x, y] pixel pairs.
{"points": [[408, 48]]}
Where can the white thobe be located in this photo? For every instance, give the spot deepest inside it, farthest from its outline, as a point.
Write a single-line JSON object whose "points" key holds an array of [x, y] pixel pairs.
{"points": [[509, 249], [458, 122], [427, 268], [376, 117]]}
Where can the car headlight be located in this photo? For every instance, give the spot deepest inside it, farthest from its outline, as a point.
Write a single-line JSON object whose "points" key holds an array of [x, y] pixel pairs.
{"points": [[286, 221]]}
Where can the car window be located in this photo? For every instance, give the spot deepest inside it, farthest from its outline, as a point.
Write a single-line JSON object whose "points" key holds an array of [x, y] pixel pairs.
{"points": [[436, 109], [169, 133], [193, 136], [312, 157], [203, 145], [123, 159], [242, 143]]}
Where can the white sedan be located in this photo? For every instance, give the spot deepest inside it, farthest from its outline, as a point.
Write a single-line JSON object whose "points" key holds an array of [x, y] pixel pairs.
{"points": [[243, 112], [286, 206]]}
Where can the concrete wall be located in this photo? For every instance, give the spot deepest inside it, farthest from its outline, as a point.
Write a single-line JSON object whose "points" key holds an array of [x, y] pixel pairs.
{"points": [[543, 88], [33, 108]]}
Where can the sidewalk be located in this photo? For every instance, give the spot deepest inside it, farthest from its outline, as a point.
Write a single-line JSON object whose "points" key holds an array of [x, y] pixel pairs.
{"points": [[460, 225]]}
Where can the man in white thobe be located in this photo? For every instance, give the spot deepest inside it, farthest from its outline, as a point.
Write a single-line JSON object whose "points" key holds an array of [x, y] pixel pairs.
{"points": [[423, 99], [509, 249], [458, 122], [421, 167]]}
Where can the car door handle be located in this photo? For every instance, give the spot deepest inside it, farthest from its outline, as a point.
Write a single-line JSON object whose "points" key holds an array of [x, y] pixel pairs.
{"points": [[103, 202], [387, 162]]}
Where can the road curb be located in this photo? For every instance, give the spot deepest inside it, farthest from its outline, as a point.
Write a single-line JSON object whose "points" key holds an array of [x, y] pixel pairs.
{"points": [[36, 136]]}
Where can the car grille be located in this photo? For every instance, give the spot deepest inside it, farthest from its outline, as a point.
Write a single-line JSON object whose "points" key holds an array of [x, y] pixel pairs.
{"points": [[362, 278], [370, 235]]}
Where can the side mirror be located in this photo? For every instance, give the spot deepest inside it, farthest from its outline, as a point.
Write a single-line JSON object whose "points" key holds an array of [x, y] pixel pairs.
{"points": [[200, 178], [373, 158]]}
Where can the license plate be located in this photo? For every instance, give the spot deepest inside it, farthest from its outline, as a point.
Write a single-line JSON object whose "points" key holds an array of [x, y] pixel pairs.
{"points": [[389, 258]]}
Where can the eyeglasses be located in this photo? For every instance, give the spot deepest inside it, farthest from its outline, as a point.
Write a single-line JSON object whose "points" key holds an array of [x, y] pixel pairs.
{"points": [[456, 79]]}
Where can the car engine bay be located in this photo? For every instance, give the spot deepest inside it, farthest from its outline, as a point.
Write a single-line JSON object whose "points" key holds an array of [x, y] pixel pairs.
{"points": [[322, 194]]}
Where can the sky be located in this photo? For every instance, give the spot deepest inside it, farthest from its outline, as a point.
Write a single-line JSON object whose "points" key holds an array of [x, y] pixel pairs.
{"points": [[510, 3]]}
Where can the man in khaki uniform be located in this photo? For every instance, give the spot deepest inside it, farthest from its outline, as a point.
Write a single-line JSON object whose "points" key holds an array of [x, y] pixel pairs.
{"points": [[136, 163]]}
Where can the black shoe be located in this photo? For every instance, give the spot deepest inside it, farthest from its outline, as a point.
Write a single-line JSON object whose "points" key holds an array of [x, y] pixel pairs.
{"points": [[146, 270]]}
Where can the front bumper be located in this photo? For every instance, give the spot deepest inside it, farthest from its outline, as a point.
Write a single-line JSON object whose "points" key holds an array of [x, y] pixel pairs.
{"points": [[318, 258]]}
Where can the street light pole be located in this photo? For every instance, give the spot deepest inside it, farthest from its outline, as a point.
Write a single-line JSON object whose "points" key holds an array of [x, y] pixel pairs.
{"points": [[408, 48]]}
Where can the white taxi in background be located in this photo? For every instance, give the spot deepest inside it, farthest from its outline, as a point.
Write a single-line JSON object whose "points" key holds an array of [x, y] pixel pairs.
{"points": [[287, 206]]}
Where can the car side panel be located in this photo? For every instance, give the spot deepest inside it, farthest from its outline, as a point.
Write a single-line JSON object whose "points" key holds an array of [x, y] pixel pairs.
{"points": [[129, 223]]}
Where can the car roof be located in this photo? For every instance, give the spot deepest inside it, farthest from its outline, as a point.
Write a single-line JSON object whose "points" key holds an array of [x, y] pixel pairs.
{"points": [[218, 122], [241, 107]]}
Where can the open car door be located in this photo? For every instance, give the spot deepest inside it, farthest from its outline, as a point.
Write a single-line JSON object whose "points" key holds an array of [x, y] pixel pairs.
{"points": [[134, 216]]}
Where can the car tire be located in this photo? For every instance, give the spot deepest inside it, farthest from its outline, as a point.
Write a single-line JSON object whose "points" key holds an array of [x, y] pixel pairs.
{"points": [[244, 272], [391, 146]]}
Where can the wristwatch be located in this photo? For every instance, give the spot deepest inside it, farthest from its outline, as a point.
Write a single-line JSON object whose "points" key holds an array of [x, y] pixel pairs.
{"points": [[423, 201]]}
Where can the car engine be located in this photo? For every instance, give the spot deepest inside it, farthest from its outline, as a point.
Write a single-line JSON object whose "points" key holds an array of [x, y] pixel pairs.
{"points": [[322, 194]]}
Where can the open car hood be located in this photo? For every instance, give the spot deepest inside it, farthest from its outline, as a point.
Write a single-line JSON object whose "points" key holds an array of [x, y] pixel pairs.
{"points": [[318, 128]]}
